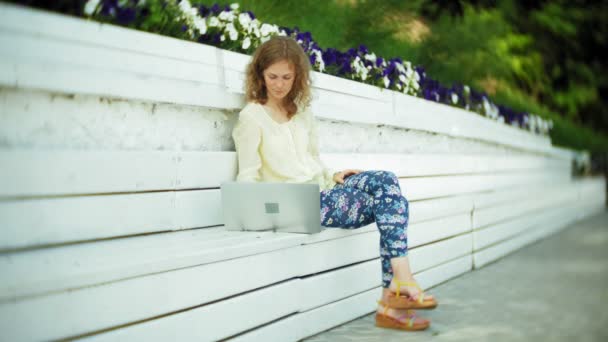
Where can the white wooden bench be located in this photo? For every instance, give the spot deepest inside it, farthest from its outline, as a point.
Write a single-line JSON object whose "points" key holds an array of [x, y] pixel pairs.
{"points": [[116, 244]]}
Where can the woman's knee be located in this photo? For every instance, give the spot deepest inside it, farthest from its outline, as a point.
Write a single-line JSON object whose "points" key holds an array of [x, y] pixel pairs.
{"points": [[388, 176]]}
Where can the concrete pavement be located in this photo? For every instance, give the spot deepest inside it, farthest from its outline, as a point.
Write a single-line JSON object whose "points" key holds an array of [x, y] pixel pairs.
{"points": [[553, 290]]}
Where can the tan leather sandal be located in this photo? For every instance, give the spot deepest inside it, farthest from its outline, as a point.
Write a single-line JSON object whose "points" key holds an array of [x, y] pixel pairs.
{"points": [[406, 321], [396, 301]]}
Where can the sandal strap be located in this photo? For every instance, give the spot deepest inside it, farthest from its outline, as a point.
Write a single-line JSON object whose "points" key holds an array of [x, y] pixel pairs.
{"points": [[406, 283], [385, 307], [409, 318]]}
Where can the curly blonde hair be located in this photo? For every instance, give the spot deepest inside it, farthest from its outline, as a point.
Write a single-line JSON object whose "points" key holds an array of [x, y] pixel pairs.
{"points": [[278, 49]]}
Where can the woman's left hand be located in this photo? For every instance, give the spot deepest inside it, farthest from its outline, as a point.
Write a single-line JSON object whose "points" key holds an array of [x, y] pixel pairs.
{"points": [[340, 176]]}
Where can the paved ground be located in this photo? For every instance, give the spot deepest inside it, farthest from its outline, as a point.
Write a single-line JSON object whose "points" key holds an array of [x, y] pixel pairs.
{"points": [[553, 290]]}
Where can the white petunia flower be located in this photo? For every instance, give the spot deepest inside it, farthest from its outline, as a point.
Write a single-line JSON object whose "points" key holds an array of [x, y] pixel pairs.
{"points": [[200, 25], [232, 32], [402, 78], [371, 57], [226, 16], [319, 60], [267, 29], [454, 98], [246, 43], [234, 6], [244, 20], [387, 82], [400, 67], [90, 6], [213, 21]]}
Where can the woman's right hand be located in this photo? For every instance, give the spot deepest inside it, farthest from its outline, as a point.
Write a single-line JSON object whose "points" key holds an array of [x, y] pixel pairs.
{"points": [[339, 176]]}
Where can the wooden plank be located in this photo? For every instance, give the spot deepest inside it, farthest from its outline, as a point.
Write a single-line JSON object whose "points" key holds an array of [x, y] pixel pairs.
{"points": [[325, 107], [407, 165], [444, 272], [72, 79], [215, 321], [438, 229], [460, 123], [88, 32], [46, 173], [505, 230], [525, 206], [426, 257], [41, 271], [487, 255], [25, 48], [439, 207], [333, 285], [71, 172], [38, 222], [431, 187]]}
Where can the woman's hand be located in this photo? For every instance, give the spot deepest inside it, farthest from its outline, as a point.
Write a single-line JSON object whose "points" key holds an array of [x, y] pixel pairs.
{"points": [[339, 176]]}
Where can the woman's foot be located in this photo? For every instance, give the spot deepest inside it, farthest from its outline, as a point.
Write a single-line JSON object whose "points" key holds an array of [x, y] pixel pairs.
{"points": [[401, 319], [410, 289]]}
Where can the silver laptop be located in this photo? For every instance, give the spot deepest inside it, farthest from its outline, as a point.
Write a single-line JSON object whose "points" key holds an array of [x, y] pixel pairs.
{"points": [[279, 207]]}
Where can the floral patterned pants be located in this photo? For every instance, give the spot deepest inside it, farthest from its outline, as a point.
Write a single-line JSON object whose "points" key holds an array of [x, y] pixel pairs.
{"points": [[367, 197]]}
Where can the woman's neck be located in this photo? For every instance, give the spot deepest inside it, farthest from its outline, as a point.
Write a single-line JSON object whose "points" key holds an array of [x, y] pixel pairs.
{"points": [[275, 104]]}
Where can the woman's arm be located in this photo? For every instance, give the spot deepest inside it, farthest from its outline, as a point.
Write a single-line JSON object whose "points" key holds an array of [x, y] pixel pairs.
{"points": [[247, 137]]}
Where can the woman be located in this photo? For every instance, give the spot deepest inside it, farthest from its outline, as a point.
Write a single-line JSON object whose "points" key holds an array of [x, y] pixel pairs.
{"points": [[276, 141]]}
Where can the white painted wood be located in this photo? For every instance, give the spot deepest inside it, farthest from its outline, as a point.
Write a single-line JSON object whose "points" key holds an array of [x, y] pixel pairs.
{"points": [[460, 123], [438, 229], [439, 207], [64, 27], [440, 164], [350, 107], [525, 206], [82, 172], [215, 321], [36, 222], [71, 79], [324, 288], [44, 172], [46, 270], [507, 229], [431, 187], [487, 255], [87, 172], [426, 257], [444, 272], [26, 47], [508, 195]]}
